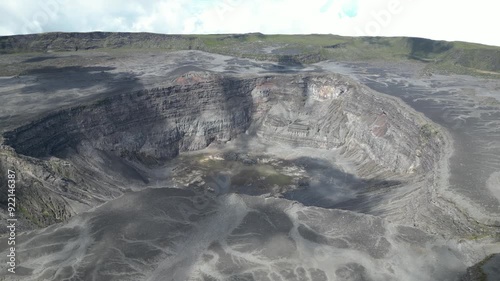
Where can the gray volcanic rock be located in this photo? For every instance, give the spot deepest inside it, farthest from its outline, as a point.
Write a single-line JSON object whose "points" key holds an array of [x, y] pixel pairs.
{"points": [[148, 125], [190, 115], [157, 168], [333, 112], [488, 270], [164, 233], [152, 126]]}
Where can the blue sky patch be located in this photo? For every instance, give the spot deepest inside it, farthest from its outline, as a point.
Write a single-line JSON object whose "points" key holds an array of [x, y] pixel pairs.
{"points": [[350, 8]]}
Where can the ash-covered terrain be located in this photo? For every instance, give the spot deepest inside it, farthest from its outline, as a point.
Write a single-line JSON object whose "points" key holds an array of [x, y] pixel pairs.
{"points": [[187, 165]]}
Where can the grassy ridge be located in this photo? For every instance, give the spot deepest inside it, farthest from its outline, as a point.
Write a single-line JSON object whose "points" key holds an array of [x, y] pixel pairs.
{"points": [[457, 57]]}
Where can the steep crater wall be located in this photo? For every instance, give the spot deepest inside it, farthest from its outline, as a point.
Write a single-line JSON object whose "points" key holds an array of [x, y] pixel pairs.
{"points": [[334, 112], [152, 126]]}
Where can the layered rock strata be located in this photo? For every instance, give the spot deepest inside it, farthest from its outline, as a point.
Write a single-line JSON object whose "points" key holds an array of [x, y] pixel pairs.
{"points": [[152, 126]]}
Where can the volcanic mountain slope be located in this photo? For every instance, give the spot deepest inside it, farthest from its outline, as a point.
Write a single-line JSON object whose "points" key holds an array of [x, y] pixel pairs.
{"points": [[152, 126], [195, 166], [454, 57]]}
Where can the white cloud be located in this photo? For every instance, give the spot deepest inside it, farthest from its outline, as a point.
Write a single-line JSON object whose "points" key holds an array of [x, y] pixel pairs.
{"points": [[448, 20]]}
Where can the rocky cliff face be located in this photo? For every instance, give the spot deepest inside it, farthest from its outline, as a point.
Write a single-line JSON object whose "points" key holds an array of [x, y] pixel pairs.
{"points": [[152, 126], [332, 112]]}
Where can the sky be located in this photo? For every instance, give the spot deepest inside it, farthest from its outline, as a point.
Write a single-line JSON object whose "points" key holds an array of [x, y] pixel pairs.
{"points": [[458, 20]]}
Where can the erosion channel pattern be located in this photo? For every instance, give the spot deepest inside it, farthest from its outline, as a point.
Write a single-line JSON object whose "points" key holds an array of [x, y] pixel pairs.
{"points": [[223, 175]]}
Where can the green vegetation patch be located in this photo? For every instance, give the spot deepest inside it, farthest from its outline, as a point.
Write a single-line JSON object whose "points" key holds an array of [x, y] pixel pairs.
{"points": [[461, 57]]}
